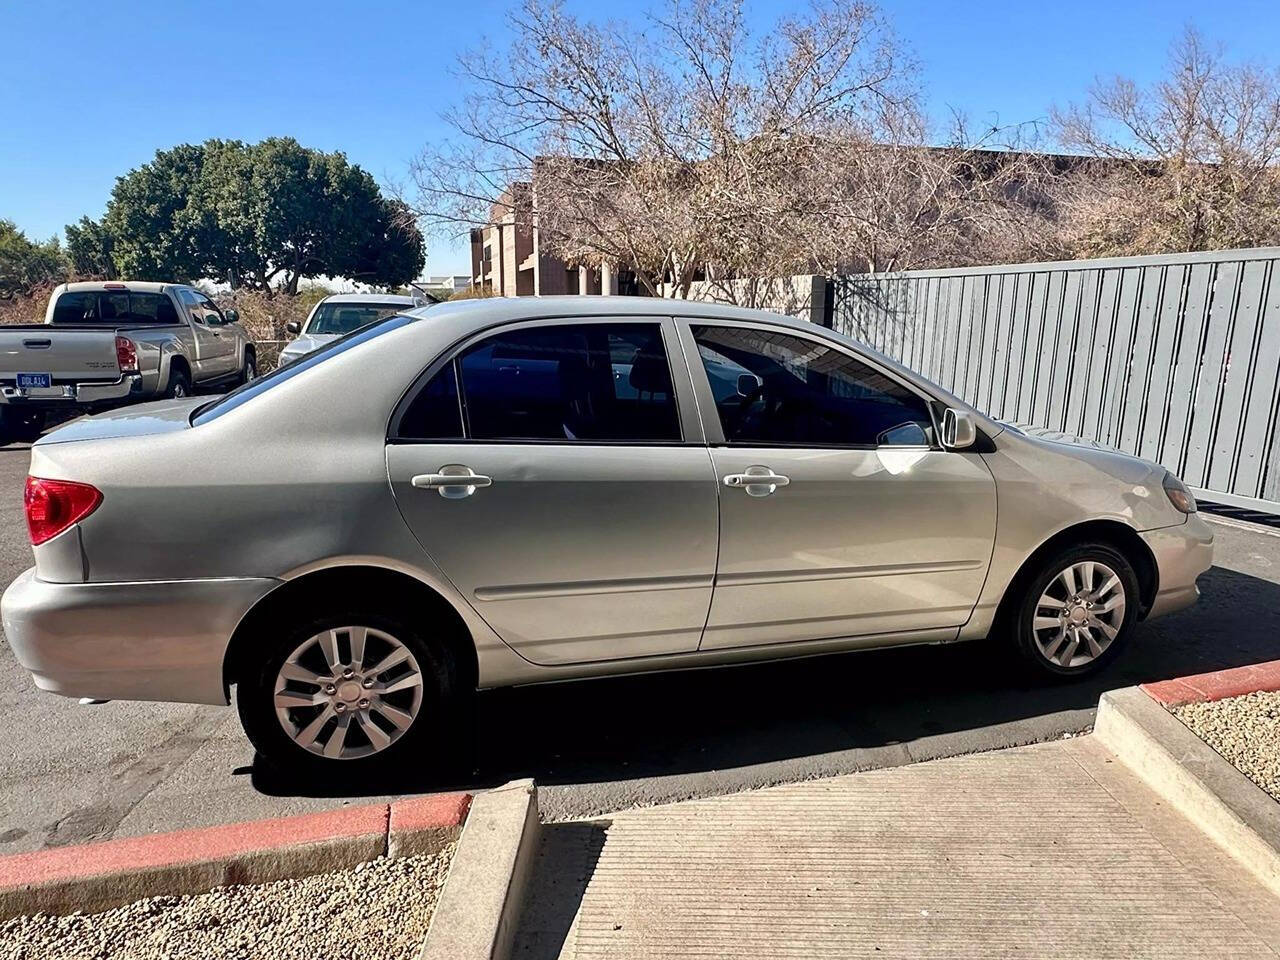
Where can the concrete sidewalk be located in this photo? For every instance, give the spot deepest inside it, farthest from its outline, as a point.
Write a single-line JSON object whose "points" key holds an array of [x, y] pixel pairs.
{"points": [[1054, 850]]}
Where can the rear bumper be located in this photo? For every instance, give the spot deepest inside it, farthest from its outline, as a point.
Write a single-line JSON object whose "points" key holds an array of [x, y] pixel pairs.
{"points": [[154, 640], [1182, 553], [74, 394]]}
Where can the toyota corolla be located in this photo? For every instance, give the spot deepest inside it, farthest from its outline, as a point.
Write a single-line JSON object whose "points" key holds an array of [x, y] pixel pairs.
{"points": [[529, 490]]}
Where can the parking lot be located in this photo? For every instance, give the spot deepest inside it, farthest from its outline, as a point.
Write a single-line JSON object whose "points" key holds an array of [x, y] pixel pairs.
{"points": [[72, 773]]}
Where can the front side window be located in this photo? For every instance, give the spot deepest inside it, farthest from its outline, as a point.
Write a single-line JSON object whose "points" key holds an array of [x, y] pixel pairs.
{"points": [[774, 388], [584, 382]]}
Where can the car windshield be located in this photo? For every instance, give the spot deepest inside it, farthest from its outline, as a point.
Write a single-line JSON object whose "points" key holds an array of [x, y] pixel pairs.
{"points": [[342, 318], [113, 307], [246, 392]]}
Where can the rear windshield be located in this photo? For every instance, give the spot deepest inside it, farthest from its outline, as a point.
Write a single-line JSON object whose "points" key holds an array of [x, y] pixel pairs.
{"points": [[246, 392], [342, 318], [114, 306]]}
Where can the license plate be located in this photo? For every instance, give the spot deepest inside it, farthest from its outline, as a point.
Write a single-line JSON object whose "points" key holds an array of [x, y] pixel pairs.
{"points": [[30, 380]]}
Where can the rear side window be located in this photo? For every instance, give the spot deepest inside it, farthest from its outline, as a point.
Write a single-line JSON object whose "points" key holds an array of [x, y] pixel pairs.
{"points": [[114, 307], [583, 382], [598, 382], [436, 412]]}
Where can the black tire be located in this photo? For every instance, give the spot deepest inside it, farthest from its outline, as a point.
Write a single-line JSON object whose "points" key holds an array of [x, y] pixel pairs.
{"points": [[1024, 611], [432, 734], [250, 370], [21, 426], [179, 384]]}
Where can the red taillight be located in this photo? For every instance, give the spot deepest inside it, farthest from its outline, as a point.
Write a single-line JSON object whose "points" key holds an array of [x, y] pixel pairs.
{"points": [[54, 505], [126, 353]]}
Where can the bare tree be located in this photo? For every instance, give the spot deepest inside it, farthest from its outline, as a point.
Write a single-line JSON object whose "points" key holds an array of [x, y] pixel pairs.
{"points": [[696, 150], [1189, 164]]}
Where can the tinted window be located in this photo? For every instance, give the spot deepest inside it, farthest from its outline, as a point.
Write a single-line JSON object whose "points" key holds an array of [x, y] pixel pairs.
{"points": [[588, 382], [435, 413], [775, 388], [114, 306]]}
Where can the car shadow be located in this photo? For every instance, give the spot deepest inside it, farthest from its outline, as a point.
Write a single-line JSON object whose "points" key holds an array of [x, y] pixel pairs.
{"points": [[916, 698]]}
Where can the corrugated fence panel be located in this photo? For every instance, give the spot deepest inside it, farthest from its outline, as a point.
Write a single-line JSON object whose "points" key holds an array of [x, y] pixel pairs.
{"points": [[1175, 358]]}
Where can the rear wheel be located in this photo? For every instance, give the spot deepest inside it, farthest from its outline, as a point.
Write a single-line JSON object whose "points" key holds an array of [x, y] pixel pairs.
{"points": [[20, 426], [348, 691], [1077, 613], [179, 385]]}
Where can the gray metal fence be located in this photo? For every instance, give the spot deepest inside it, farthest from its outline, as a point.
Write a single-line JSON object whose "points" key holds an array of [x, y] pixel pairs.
{"points": [[1174, 358]]}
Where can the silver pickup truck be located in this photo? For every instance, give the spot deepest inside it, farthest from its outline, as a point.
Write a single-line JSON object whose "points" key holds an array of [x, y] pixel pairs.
{"points": [[104, 344]]}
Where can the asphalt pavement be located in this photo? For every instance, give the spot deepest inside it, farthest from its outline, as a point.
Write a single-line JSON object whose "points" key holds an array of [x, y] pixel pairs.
{"points": [[74, 774]]}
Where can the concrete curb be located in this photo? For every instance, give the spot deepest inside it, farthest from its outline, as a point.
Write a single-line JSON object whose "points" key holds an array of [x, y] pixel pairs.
{"points": [[480, 904], [1231, 810], [99, 876], [1218, 685]]}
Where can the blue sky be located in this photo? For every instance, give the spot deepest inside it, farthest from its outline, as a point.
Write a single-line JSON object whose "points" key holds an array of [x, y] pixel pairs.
{"points": [[91, 89]]}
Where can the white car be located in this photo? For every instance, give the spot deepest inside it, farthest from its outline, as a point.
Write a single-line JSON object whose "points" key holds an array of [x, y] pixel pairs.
{"points": [[336, 316]]}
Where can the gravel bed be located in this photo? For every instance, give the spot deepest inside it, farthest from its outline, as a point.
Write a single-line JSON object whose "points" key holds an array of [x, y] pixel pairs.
{"points": [[1245, 731], [378, 910]]}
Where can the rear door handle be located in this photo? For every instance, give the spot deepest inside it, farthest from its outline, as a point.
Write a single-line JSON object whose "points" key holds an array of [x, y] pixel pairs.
{"points": [[454, 481], [758, 481]]}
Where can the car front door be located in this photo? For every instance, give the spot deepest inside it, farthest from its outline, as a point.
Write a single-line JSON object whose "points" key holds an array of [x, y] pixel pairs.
{"points": [[840, 516], [557, 474], [222, 358], [204, 357]]}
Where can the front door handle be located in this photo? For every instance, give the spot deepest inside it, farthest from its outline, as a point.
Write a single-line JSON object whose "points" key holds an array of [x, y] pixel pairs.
{"points": [[758, 481], [454, 481]]}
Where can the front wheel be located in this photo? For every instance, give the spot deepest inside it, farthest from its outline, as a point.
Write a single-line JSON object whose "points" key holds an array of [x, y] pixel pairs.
{"points": [[250, 371], [347, 691], [1077, 612]]}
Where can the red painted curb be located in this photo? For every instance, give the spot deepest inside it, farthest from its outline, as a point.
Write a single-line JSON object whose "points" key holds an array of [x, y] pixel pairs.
{"points": [[1218, 685], [226, 842]]}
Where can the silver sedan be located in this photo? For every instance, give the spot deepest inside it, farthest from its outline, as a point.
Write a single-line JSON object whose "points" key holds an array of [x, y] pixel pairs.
{"points": [[539, 489]]}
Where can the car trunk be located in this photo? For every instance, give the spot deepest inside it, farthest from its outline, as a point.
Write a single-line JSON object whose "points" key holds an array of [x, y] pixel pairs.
{"points": [[162, 416]]}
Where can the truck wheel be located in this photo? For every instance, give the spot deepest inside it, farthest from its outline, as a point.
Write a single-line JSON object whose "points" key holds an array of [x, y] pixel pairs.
{"points": [[250, 371], [179, 385], [21, 426]]}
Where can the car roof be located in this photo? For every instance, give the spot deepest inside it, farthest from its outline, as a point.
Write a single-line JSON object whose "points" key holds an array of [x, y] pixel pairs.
{"points": [[486, 311], [397, 299], [472, 316], [138, 286]]}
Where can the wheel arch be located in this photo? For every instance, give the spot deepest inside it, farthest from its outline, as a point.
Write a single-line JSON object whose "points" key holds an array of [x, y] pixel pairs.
{"points": [[177, 362], [407, 595], [1114, 533]]}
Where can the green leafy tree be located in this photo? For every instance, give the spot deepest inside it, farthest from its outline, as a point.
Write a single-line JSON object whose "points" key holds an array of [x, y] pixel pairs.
{"points": [[89, 247], [258, 215], [26, 265], [147, 217]]}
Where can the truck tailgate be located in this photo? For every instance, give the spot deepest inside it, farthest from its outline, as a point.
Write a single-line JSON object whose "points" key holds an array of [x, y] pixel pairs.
{"points": [[68, 355]]}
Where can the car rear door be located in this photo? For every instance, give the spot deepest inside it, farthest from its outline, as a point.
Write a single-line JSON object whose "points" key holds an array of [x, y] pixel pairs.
{"points": [[556, 472], [840, 515]]}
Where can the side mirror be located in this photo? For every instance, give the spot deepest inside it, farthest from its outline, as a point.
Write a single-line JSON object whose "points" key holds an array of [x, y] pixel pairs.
{"points": [[749, 385], [233, 316], [294, 327], [958, 429]]}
